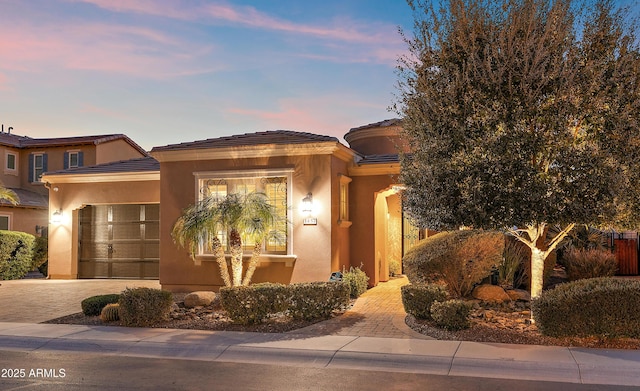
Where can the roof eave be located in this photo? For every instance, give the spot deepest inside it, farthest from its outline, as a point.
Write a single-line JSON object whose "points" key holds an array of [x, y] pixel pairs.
{"points": [[255, 151], [375, 169], [103, 177]]}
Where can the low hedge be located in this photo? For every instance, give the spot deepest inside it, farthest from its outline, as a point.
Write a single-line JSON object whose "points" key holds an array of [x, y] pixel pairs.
{"points": [[451, 314], [92, 306], [142, 307], [606, 307], [16, 254], [316, 300], [253, 304], [357, 280], [417, 299]]}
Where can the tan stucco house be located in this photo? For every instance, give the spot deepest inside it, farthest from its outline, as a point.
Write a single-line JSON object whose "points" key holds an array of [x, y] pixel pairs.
{"points": [[24, 159], [120, 214]]}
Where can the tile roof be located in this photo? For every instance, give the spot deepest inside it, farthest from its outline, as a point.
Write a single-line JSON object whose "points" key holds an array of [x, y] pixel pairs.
{"points": [[144, 164], [381, 124], [28, 199], [16, 141], [251, 139]]}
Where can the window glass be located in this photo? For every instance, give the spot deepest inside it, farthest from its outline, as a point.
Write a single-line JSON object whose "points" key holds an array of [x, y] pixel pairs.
{"points": [[344, 198], [11, 161], [73, 159], [38, 167], [4, 223], [275, 188]]}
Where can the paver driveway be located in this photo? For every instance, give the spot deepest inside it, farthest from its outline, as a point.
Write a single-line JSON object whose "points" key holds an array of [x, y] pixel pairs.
{"points": [[38, 300]]}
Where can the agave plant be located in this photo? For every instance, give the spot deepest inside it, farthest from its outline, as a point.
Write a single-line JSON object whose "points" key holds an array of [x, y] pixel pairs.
{"points": [[249, 216]]}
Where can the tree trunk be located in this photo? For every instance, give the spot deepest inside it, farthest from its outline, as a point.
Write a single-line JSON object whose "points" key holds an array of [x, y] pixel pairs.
{"points": [[538, 257], [235, 242], [539, 254], [255, 258], [221, 260]]}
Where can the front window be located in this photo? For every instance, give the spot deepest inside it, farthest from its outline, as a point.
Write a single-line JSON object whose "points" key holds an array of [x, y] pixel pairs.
{"points": [[11, 160], [5, 222], [343, 216], [273, 183], [38, 166], [73, 160]]}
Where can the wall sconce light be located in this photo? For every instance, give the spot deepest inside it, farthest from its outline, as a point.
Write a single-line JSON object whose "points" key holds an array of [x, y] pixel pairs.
{"points": [[56, 218], [307, 204]]}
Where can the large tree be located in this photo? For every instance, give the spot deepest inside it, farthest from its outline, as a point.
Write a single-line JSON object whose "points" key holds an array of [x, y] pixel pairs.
{"points": [[521, 114]]}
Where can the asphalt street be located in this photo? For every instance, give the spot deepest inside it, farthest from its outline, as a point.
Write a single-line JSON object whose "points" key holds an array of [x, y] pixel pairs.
{"points": [[88, 371]]}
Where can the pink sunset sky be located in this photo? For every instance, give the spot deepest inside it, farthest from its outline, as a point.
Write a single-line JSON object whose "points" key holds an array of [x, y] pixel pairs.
{"points": [[164, 72], [171, 71]]}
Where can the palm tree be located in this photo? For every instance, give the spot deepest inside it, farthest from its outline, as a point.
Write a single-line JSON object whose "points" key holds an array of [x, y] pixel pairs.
{"points": [[249, 216], [8, 195]]}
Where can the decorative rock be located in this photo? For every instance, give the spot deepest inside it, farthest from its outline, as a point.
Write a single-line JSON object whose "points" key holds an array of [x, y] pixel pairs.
{"points": [[493, 293], [519, 295], [199, 299]]}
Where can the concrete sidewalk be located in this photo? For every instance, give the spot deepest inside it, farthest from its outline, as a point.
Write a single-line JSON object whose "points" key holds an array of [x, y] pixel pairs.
{"points": [[452, 358]]}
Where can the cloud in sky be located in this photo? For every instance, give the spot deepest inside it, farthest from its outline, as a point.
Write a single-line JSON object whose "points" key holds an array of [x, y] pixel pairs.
{"points": [[377, 38], [149, 67]]}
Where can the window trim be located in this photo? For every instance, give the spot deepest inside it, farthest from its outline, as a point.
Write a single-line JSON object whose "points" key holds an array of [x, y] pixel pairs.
{"points": [[9, 217], [77, 154], [343, 201], [203, 176], [36, 178], [7, 169]]}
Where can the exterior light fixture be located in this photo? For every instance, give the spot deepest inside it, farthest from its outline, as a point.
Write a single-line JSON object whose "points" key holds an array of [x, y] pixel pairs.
{"points": [[307, 210], [56, 218], [307, 204]]}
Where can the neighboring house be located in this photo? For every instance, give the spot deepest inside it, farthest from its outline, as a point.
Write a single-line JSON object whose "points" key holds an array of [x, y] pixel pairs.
{"points": [[121, 214], [24, 160]]}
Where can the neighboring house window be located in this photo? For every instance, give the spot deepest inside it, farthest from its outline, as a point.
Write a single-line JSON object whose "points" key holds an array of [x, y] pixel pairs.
{"points": [[37, 166], [274, 183], [5, 222], [11, 160], [343, 217], [73, 159]]}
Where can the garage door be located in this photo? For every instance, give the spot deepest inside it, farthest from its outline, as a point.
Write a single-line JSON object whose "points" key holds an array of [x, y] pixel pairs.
{"points": [[119, 241]]}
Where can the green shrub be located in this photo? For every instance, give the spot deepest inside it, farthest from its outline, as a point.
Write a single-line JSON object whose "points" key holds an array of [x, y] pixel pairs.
{"points": [[459, 258], [144, 306], [417, 299], [591, 263], [92, 306], [607, 307], [451, 314], [40, 252], [317, 300], [253, 304], [395, 269], [511, 271], [16, 251], [357, 281], [110, 313]]}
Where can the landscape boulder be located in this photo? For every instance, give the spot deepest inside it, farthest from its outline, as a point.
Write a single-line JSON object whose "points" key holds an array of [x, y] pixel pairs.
{"points": [[491, 293], [199, 299], [519, 295]]}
